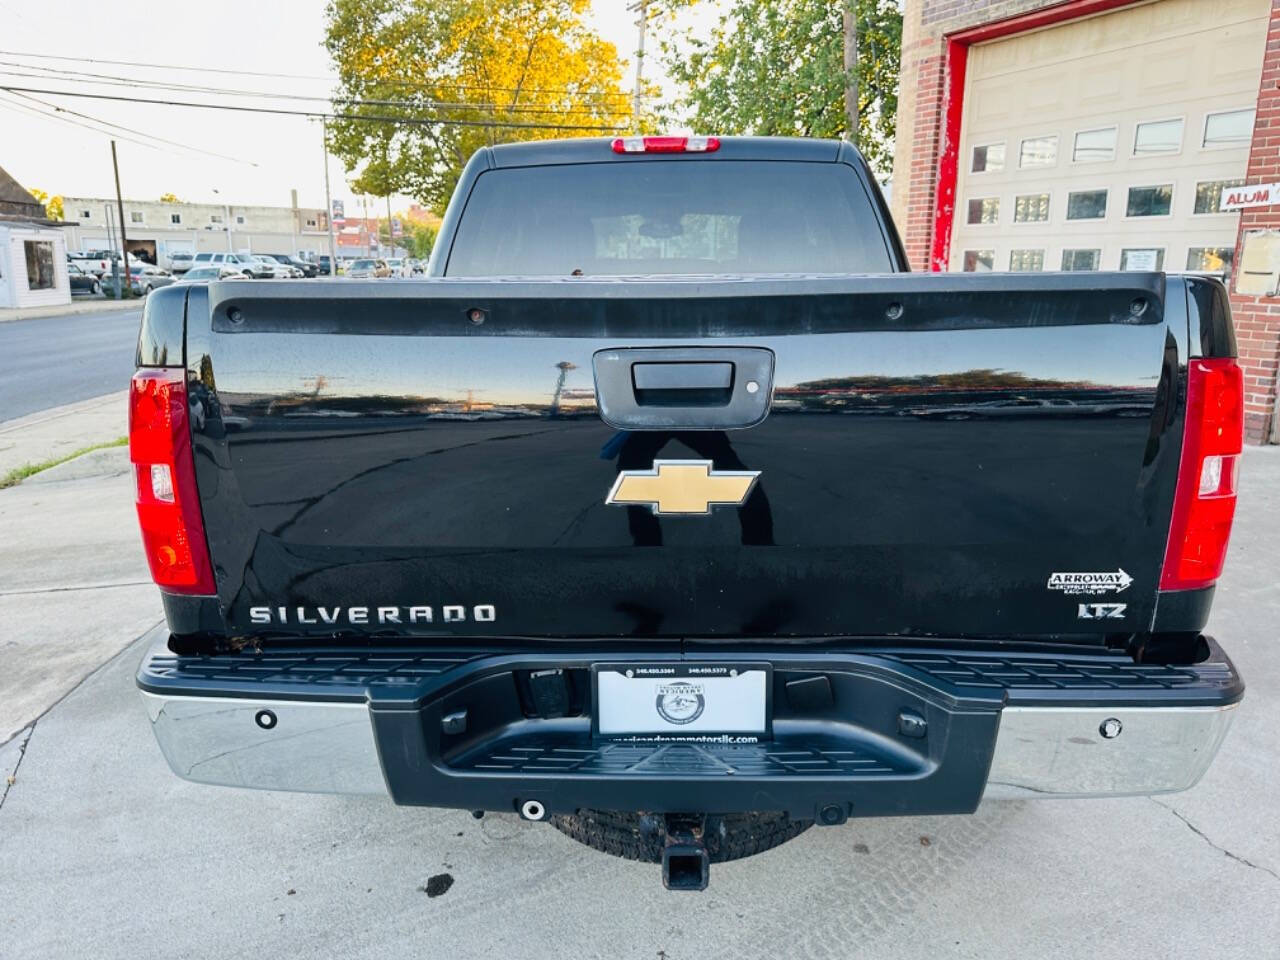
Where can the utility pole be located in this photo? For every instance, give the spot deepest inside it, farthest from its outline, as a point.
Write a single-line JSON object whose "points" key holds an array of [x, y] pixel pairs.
{"points": [[124, 289], [851, 68], [391, 240], [641, 7], [368, 242], [328, 203]]}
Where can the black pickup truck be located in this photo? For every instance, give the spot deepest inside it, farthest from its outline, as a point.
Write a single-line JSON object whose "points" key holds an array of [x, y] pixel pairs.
{"points": [[672, 509]]}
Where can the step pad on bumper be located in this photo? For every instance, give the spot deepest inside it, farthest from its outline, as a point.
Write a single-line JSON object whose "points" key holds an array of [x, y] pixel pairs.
{"points": [[540, 755]]}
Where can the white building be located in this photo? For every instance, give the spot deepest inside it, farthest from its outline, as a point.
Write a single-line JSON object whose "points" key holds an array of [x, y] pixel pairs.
{"points": [[156, 229], [33, 252]]}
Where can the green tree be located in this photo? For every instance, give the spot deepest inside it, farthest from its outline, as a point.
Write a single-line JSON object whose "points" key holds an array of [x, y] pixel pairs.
{"points": [[454, 75], [776, 68]]}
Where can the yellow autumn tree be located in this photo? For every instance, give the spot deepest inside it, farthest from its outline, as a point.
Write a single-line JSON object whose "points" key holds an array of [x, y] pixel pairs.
{"points": [[52, 205], [424, 83]]}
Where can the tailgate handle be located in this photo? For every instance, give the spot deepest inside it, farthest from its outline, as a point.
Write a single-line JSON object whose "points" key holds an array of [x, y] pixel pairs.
{"points": [[689, 388], [698, 383]]}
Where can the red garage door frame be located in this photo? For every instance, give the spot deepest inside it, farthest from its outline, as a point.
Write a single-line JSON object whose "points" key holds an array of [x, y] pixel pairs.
{"points": [[958, 45]]}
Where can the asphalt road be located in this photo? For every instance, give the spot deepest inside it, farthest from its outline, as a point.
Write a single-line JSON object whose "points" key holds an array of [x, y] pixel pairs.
{"points": [[106, 854], [49, 361]]}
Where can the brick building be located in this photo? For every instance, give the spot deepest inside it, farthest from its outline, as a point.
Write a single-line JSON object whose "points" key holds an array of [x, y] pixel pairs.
{"points": [[1098, 135]]}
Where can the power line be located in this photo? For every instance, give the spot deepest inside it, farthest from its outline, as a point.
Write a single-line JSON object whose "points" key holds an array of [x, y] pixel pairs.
{"points": [[73, 76], [279, 111], [31, 111], [115, 126], [422, 84]]}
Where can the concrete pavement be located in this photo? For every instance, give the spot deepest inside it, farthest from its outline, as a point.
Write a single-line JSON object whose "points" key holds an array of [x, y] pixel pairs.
{"points": [[141, 864], [74, 584], [60, 431], [62, 359]]}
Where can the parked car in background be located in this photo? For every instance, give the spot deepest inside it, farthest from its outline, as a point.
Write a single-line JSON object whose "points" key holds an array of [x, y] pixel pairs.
{"points": [[240, 261], [267, 268], [180, 261], [304, 267], [82, 281], [324, 265], [205, 274], [96, 262], [143, 278], [366, 268], [399, 267]]}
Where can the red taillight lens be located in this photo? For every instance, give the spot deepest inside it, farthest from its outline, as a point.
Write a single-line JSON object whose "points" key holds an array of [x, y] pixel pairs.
{"points": [[1205, 501], [165, 482], [666, 144]]}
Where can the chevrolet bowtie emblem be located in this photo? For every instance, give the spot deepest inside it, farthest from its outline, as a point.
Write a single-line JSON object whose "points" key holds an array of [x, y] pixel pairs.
{"points": [[682, 487]]}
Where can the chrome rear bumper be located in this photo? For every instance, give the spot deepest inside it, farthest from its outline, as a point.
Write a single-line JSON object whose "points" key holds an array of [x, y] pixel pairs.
{"points": [[1040, 752], [999, 725], [1063, 752]]}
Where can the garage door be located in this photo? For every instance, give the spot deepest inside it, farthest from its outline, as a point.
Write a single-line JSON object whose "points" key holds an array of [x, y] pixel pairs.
{"points": [[1104, 143]]}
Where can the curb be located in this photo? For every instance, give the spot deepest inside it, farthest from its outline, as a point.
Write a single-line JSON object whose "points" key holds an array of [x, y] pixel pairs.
{"points": [[74, 308]]}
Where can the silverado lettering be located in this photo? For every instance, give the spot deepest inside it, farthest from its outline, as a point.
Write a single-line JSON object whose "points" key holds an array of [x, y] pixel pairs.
{"points": [[311, 616]]}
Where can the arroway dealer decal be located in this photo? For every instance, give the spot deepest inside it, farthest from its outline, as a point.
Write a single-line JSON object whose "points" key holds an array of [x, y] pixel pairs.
{"points": [[1090, 583]]}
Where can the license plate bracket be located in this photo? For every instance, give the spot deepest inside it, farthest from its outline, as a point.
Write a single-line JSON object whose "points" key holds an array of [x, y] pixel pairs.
{"points": [[682, 701]]}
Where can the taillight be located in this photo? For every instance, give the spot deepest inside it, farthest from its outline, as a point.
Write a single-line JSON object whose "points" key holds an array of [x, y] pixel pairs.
{"points": [[165, 482], [1205, 501], [666, 144]]}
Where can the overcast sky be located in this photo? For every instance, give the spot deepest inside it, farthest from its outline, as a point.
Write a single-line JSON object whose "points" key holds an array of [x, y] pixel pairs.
{"points": [[269, 155]]}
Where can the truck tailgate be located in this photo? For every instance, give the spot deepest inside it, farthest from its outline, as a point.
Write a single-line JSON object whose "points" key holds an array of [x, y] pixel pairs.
{"points": [[986, 455]]}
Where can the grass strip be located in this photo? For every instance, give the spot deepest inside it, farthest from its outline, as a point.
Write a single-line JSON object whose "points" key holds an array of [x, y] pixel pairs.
{"points": [[18, 474]]}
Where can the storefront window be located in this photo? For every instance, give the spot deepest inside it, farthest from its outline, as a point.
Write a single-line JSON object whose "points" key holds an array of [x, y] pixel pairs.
{"points": [[1081, 259], [979, 261], [1150, 201], [984, 210], [1209, 194], [1031, 208], [1229, 129], [1095, 145], [1210, 259], [1026, 260], [1038, 152], [1087, 205], [1142, 258], [988, 158], [1158, 136], [39, 264]]}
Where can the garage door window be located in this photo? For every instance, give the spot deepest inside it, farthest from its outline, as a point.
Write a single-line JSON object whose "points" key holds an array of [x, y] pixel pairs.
{"points": [[1210, 259], [988, 158], [1232, 128], [1154, 201], [1031, 208], [1087, 205], [984, 210], [1158, 136], [979, 261], [39, 264], [1142, 258], [1093, 146], [1081, 259], [1209, 194], [1038, 152], [1026, 260]]}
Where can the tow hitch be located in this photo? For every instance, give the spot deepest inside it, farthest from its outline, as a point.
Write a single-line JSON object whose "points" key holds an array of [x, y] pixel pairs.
{"points": [[686, 865]]}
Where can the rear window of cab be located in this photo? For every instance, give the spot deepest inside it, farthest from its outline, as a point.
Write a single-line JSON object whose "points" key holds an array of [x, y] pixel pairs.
{"points": [[726, 217]]}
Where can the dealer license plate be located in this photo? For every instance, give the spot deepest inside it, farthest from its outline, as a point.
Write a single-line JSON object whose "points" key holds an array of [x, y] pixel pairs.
{"points": [[681, 700]]}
